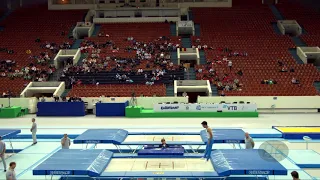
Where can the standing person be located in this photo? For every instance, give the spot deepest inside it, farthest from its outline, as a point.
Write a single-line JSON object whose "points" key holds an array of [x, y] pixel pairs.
{"points": [[34, 131], [209, 144], [11, 174], [230, 64], [65, 142], [248, 141], [2, 153]]}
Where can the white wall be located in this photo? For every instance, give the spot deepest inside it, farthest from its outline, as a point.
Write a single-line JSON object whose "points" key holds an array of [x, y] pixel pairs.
{"points": [[29, 103], [301, 55], [90, 32], [130, 20], [263, 102], [60, 89]]}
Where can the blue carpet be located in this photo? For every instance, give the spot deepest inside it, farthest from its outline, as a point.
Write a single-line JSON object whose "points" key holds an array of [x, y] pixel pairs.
{"points": [[76, 44], [276, 12], [173, 29], [293, 52], [298, 41], [96, 30]]}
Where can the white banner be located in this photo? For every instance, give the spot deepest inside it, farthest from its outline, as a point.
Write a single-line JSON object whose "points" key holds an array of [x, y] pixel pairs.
{"points": [[205, 107]]}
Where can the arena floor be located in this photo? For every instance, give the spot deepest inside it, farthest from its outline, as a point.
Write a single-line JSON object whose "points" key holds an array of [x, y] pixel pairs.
{"points": [[31, 156]]}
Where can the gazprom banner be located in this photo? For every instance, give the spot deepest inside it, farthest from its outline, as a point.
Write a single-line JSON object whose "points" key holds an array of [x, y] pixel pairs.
{"points": [[205, 107]]}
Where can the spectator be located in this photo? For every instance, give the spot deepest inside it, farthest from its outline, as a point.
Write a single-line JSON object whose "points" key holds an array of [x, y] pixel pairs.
{"points": [[43, 99], [291, 69], [230, 64], [184, 94], [284, 69], [240, 73], [295, 81], [234, 86], [28, 51], [236, 82], [150, 83], [227, 88], [222, 93], [56, 98]]}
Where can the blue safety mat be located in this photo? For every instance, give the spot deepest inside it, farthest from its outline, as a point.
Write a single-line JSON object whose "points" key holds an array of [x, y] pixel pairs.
{"points": [[75, 162], [224, 136], [162, 151], [9, 133], [245, 162], [100, 136]]}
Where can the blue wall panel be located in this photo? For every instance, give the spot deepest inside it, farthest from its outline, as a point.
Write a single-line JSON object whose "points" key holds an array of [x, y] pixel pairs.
{"points": [[111, 109], [61, 109]]}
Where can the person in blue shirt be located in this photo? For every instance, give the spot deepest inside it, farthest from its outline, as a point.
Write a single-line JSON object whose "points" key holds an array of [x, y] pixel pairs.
{"points": [[163, 144]]}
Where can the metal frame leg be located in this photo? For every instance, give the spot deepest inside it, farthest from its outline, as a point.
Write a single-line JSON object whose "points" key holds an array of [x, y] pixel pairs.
{"points": [[192, 149], [198, 148], [138, 147], [129, 147], [11, 145]]}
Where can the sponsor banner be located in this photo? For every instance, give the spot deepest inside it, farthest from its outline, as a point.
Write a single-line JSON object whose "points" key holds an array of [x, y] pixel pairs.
{"points": [[205, 107]]}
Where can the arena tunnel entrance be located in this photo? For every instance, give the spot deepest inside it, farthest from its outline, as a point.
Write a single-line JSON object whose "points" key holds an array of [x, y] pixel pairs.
{"points": [[193, 96]]}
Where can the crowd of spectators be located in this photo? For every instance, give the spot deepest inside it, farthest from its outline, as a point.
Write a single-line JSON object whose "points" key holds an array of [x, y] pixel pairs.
{"points": [[6, 50], [223, 81], [32, 72], [153, 57], [38, 69], [7, 94]]}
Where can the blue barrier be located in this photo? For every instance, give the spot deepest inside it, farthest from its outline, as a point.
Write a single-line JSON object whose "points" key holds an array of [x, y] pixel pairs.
{"points": [[111, 109], [61, 109]]}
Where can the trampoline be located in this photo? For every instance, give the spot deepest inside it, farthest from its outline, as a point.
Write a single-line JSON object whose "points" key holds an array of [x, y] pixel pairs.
{"points": [[123, 137], [103, 163], [9, 134]]}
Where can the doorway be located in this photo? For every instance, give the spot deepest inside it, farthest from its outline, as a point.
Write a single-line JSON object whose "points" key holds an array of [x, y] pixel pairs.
{"points": [[193, 96]]}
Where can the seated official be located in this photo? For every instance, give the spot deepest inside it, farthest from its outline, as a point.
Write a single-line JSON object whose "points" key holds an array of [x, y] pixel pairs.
{"points": [[163, 144]]}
